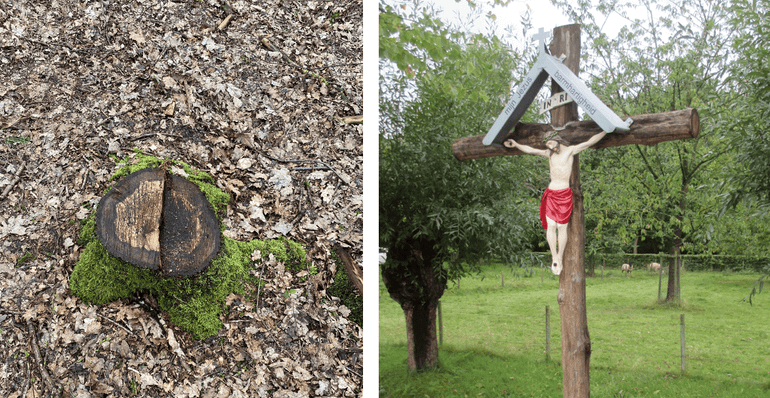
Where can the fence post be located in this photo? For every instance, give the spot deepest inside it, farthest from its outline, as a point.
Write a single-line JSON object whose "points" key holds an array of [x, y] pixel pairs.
{"points": [[602, 267], [660, 273], [502, 279], [681, 321], [547, 333], [440, 326]]}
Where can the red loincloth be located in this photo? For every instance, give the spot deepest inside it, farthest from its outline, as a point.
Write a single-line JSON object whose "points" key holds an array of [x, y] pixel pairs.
{"points": [[556, 205]]}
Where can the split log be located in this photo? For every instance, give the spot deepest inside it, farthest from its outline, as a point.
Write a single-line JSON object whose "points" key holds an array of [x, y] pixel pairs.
{"points": [[353, 270], [647, 129], [158, 221]]}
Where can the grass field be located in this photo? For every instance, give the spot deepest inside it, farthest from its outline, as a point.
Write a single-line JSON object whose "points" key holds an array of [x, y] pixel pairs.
{"points": [[494, 338]]}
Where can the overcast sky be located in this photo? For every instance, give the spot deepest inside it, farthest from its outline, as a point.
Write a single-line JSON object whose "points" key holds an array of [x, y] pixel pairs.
{"points": [[543, 13]]}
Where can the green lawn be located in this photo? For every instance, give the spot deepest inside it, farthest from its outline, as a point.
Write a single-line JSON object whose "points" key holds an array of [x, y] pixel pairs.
{"points": [[494, 338]]}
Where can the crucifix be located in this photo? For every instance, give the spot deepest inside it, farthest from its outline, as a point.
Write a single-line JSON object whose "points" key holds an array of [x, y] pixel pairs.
{"points": [[509, 137]]}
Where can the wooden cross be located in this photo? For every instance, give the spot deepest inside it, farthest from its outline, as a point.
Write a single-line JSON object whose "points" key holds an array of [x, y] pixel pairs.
{"points": [[646, 129]]}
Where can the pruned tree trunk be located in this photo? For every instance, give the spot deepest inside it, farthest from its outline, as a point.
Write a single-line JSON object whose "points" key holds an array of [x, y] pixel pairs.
{"points": [[412, 281], [576, 342], [421, 334]]}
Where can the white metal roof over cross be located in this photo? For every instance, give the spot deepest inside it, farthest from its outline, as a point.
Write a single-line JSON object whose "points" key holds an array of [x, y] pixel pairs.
{"points": [[549, 66]]}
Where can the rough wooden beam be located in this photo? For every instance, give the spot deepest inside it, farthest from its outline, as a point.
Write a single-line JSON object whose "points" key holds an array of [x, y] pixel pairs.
{"points": [[575, 339], [647, 129]]}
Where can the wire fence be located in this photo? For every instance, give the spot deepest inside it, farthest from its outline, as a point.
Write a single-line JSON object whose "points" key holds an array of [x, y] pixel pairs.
{"points": [[753, 339]]}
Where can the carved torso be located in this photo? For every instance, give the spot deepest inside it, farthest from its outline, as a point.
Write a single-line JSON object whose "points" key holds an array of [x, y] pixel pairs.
{"points": [[560, 165]]}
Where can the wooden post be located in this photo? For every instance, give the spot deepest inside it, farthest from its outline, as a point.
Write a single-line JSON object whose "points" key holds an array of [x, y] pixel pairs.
{"points": [[440, 326], [502, 279], [660, 274], [681, 322], [547, 333], [660, 280], [576, 343]]}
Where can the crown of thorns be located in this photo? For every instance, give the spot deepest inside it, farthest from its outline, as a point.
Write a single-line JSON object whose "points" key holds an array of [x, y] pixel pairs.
{"points": [[551, 136]]}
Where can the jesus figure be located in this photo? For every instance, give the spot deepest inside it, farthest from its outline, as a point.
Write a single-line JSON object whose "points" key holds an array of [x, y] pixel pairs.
{"points": [[556, 203]]}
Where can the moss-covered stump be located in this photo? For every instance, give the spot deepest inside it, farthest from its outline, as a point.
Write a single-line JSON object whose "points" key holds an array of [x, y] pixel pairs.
{"points": [[193, 303]]}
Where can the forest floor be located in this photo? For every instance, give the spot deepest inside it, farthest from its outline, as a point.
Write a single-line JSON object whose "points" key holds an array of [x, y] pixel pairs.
{"points": [[264, 96]]}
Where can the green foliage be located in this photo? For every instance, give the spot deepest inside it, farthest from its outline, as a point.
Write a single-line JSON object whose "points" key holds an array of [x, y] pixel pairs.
{"points": [[751, 74], [464, 209], [428, 35], [415, 39], [17, 140], [348, 295], [193, 303], [23, 259]]}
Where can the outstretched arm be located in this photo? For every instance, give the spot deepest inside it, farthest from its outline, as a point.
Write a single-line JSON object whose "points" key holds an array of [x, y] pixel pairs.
{"points": [[510, 143], [580, 147]]}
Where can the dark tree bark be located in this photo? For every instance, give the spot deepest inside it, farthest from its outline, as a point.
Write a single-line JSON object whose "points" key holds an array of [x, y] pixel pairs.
{"points": [[576, 342], [416, 283]]}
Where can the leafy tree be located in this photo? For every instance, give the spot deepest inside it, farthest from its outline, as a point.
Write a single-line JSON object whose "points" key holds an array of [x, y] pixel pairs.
{"points": [[751, 77], [438, 216]]}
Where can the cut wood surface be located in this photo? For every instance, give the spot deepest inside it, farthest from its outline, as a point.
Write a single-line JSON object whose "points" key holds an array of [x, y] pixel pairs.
{"points": [[353, 270], [647, 129], [128, 218], [189, 239], [158, 221]]}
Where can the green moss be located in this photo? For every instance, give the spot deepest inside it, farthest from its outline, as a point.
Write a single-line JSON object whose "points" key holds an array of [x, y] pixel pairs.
{"points": [[193, 303], [348, 295], [26, 257]]}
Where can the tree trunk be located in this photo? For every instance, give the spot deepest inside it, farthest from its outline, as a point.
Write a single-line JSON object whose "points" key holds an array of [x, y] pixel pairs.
{"points": [[576, 343], [411, 280], [421, 335], [673, 292]]}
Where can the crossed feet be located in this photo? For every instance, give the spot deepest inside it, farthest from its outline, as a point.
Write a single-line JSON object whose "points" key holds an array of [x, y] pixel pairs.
{"points": [[556, 267]]}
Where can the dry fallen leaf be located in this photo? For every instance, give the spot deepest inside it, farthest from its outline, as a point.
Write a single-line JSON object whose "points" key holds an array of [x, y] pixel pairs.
{"points": [[267, 124]]}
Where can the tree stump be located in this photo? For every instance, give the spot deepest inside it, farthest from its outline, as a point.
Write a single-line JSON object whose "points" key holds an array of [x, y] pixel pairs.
{"points": [[156, 220]]}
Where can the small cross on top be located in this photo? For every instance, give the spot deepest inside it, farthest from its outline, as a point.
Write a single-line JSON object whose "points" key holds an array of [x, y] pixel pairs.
{"points": [[542, 36]]}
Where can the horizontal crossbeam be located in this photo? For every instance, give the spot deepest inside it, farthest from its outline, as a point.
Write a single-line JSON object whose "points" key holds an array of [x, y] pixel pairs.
{"points": [[647, 129]]}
